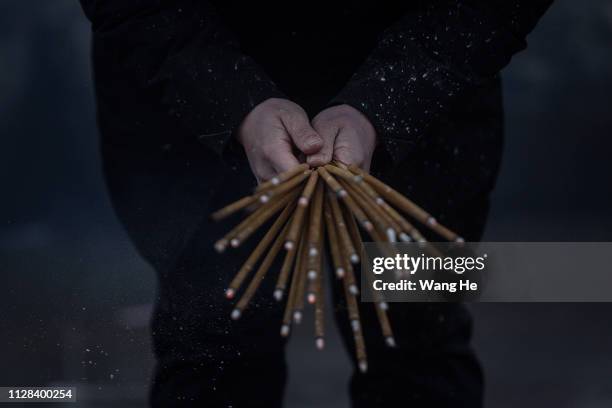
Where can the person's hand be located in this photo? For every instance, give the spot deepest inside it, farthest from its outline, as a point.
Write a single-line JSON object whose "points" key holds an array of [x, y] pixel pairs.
{"points": [[270, 131], [348, 137]]}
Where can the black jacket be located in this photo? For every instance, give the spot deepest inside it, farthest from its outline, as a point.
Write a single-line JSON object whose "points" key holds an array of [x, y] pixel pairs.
{"points": [[174, 78]]}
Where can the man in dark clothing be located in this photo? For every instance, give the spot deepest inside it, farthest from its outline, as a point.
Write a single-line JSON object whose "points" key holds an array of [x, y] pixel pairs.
{"points": [[411, 88]]}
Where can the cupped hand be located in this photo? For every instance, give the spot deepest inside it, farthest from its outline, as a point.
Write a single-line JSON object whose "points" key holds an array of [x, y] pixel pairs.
{"points": [[269, 133], [348, 137]]}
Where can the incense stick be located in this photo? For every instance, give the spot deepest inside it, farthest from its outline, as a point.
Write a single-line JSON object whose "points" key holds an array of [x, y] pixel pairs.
{"points": [[259, 275], [300, 271], [320, 313], [283, 276], [355, 322], [370, 208], [288, 314], [407, 205], [283, 188], [233, 208], [321, 205], [298, 218], [282, 177], [353, 231], [345, 243], [359, 214], [315, 264], [314, 225], [239, 233], [380, 305], [267, 212], [257, 252], [333, 241], [385, 325]]}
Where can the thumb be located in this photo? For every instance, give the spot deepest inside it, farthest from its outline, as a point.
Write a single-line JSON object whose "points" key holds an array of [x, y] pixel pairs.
{"points": [[301, 132], [328, 132]]}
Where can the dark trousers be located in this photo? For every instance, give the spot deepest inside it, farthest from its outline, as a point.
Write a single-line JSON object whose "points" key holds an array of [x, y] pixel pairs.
{"points": [[207, 360]]}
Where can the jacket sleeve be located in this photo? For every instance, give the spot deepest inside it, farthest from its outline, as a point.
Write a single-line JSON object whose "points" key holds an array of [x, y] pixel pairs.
{"points": [[182, 49], [429, 59]]}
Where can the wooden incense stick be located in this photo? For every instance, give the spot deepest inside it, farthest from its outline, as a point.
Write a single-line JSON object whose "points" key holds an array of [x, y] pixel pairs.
{"points": [[300, 271], [349, 276], [289, 307], [345, 242], [282, 177], [380, 305], [252, 222], [257, 252], [314, 224], [385, 209], [249, 228], [284, 187], [315, 264], [296, 223], [407, 205], [348, 201], [320, 312], [340, 225], [259, 275], [249, 201], [381, 308], [369, 204], [367, 191], [409, 232], [233, 208], [370, 208], [355, 322], [309, 188], [283, 276], [333, 241], [332, 182], [385, 325]]}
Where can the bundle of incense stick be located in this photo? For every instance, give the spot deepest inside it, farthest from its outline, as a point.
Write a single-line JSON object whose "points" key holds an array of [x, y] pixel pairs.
{"points": [[319, 212]]}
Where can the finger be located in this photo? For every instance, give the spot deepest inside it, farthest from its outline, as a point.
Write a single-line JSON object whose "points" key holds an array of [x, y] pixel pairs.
{"points": [[285, 162], [347, 156], [281, 157], [348, 149], [328, 134], [302, 134], [263, 171]]}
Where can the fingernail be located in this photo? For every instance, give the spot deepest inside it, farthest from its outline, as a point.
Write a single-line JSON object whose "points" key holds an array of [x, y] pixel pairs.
{"points": [[314, 141]]}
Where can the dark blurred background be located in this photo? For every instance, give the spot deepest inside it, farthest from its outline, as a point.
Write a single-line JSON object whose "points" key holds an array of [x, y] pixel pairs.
{"points": [[74, 299]]}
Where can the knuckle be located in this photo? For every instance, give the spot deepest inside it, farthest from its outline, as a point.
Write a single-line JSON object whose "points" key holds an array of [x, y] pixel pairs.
{"points": [[337, 116], [346, 112], [321, 123], [294, 117], [296, 124], [279, 107], [304, 133]]}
